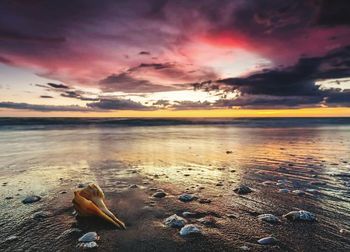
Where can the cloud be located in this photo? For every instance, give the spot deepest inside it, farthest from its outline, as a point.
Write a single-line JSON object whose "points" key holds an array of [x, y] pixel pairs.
{"points": [[118, 104], [41, 108], [85, 42], [123, 82], [290, 86], [59, 86], [144, 53]]}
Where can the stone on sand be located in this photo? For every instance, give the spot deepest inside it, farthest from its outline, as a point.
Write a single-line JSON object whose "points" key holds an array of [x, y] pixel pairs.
{"points": [[31, 199], [175, 221], [190, 229], [242, 189], [159, 194], [186, 197]]}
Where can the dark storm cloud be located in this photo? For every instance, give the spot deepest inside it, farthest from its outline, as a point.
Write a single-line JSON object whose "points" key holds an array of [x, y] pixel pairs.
{"points": [[41, 108], [118, 104], [291, 86], [295, 80], [334, 12]]}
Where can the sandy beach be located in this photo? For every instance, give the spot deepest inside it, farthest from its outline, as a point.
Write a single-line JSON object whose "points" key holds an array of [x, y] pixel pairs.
{"points": [[302, 167]]}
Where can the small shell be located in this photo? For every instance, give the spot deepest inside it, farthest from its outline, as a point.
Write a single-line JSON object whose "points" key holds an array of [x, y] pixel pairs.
{"points": [[89, 237], [270, 218], [267, 240], [301, 215]]}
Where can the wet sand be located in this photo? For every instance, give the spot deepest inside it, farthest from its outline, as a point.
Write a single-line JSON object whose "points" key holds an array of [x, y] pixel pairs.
{"points": [[193, 159]]}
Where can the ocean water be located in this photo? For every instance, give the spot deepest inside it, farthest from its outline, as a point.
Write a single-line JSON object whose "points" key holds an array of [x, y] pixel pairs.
{"points": [[49, 156]]}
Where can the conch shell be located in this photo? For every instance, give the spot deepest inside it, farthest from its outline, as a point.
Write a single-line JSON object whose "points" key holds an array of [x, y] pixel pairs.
{"points": [[90, 202]]}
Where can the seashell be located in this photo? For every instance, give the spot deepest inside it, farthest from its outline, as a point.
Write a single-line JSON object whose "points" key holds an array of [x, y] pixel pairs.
{"points": [[267, 240], [270, 218], [190, 229], [89, 237], [301, 215], [242, 189], [175, 221], [90, 202]]}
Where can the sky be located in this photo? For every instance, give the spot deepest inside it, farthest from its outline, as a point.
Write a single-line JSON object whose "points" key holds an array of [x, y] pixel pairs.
{"points": [[160, 58]]}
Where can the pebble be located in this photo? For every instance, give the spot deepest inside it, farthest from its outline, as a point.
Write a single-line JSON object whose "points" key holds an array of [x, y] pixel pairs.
{"points": [[88, 245], [175, 221], [345, 232], [204, 201], [190, 229], [301, 215], [133, 186], [267, 240], [207, 221], [268, 183], [220, 184], [89, 237], [187, 197], [270, 218], [242, 189], [41, 215], [228, 152], [8, 198], [244, 248], [232, 215], [31, 199], [68, 232], [284, 190], [159, 194], [189, 214], [298, 192], [81, 185], [310, 190], [11, 238]]}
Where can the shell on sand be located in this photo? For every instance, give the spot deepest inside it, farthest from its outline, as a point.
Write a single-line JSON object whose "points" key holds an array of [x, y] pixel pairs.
{"points": [[270, 218], [301, 215], [89, 201]]}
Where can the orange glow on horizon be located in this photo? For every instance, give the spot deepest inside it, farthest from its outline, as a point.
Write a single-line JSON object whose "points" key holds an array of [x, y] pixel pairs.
{"points": [[304, 112]]}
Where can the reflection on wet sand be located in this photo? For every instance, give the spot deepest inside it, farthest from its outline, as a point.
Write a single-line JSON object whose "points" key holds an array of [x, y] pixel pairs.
{"points": [[207, 161]]}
